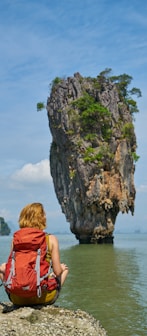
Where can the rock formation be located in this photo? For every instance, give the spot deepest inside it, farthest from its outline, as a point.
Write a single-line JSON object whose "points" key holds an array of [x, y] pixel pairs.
{"points": [[4, 228], [47, 320], [91, 156]]}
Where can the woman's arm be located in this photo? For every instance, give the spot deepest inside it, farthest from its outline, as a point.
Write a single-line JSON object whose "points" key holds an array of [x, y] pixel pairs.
{"points": [[3, 267], [58, 268], [2, 271]]}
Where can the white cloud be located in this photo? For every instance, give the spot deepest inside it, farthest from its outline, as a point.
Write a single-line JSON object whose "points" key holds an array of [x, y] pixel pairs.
{"points": [[142, 188], [33, 173]]}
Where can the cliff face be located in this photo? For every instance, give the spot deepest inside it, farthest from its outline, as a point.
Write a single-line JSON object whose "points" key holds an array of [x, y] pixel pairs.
{"points": [[91, 155]]}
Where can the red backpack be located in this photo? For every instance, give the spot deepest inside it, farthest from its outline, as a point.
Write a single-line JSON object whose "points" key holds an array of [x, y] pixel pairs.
{"points": [[27, 270]]}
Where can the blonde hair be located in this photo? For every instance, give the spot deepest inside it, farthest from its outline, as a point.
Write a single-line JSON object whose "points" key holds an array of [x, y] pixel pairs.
{"points": [[33, 216]]}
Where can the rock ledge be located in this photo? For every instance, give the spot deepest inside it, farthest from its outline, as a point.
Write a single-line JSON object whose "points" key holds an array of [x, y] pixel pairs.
{"points": [[47, 320]]}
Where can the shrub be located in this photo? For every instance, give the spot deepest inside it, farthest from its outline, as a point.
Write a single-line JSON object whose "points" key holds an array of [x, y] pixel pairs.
{"points": [[135, 157], [93, 116], [128, 130]]}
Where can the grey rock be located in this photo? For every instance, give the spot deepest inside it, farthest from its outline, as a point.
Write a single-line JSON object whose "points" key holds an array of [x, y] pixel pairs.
{"points": [[47, 320], [93, 175]]}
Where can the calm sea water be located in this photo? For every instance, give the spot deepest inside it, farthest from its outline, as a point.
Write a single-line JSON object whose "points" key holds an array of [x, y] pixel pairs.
{"points": [[108, 281]]}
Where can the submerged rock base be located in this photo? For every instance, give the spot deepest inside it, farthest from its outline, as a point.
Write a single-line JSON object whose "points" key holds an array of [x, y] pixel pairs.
{"points": [[95, 240], [47, 320]]}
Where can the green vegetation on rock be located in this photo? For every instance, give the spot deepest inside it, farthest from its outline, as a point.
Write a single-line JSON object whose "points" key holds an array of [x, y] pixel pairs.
{"points": [[91, 119]]}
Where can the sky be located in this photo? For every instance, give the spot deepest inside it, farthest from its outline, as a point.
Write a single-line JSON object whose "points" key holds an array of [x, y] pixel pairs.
{"points": [[41, 40]]}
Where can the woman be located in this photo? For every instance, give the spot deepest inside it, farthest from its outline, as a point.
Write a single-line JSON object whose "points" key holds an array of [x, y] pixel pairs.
{"points": [[33, 216]]}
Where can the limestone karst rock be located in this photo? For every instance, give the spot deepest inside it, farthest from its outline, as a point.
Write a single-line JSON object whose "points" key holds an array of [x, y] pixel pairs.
{"points": [[4, 228], [91, 159]]}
